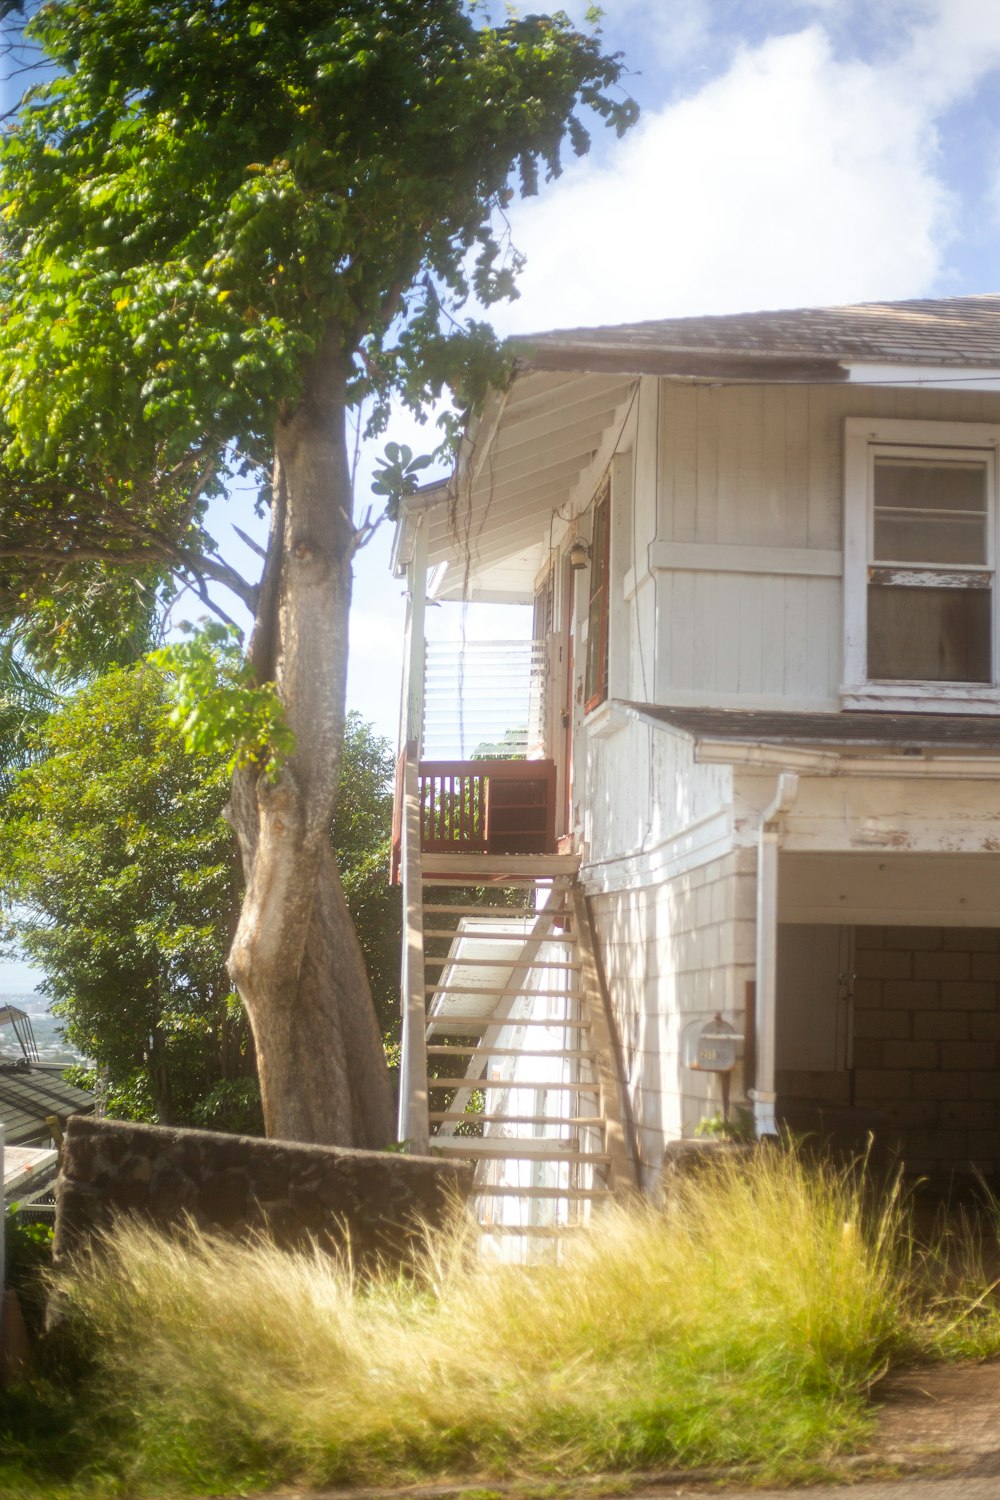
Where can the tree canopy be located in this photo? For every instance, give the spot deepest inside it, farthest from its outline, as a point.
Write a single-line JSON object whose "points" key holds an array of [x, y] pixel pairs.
{"points": [[225, 223], [207, 188]]}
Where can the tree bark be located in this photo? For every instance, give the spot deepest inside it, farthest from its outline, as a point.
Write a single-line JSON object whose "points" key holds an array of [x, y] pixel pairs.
{"points": [[295, 957]]}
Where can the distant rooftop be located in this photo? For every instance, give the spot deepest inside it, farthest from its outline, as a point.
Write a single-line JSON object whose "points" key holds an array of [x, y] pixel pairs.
{"points": [[30, 1094], [952, 331]]}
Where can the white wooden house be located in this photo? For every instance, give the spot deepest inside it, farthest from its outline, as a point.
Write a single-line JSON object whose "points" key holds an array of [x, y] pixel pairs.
{"points": [[763, 552]]}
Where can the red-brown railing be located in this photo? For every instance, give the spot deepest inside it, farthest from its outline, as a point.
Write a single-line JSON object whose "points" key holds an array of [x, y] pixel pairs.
{"points": [[482, 807], [453, 806]]}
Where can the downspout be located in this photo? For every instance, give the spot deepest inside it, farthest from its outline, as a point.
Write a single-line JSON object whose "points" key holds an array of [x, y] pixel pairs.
{"points": [[768, 843]]}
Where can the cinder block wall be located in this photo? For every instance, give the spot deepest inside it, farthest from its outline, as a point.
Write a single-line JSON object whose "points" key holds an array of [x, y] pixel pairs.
{"points": [[927, 1040], [671, 952]]}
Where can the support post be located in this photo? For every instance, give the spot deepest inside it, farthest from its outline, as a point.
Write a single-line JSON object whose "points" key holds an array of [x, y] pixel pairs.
{"points": [[768, 844], [412, 1120]]}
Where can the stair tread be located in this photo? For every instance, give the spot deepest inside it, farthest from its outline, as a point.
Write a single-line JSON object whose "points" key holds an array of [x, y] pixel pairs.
{"points": [[442, 1019], [514, 962], [471, 1147], [573, 1121], [482, 1084], [573, 1194], [460, 1049], [491, 937], [498, 989]]}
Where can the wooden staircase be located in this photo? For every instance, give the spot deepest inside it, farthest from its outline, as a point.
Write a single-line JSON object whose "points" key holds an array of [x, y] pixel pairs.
{"points": [[522, 1075]]}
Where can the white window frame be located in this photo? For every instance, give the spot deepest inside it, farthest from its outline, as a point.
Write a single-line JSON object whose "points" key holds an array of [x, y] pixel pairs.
{"points": [[866, 439]]}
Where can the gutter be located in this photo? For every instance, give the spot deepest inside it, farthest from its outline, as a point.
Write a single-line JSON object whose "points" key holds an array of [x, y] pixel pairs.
{"points": [[926, 765]]}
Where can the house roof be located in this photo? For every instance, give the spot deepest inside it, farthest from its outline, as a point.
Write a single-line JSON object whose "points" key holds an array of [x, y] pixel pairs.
{"points": [[812, 341], [520, 473], [849, 732], [29, 1094]]}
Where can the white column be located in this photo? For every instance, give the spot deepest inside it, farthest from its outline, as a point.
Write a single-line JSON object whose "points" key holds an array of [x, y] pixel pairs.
{"points": [[412, 1121], [768, 845]]}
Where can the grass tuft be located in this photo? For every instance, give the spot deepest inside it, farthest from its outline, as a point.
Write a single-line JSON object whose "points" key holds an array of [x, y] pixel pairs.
{"points": [[744, 1324]]}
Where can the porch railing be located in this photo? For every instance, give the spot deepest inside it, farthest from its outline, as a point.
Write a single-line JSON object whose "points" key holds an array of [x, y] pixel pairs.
{"points": [[482, 807]]}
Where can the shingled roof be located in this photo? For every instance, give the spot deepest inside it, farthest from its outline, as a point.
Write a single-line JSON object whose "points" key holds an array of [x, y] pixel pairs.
{"points": [[29, 1094], [950, 331]]}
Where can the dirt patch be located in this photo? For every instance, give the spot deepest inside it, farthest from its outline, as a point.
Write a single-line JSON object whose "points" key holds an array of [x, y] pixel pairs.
{"points": [[947, 1416]]}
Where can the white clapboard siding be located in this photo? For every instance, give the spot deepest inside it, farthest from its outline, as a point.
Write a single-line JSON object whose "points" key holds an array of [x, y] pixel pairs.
{"points": [[747, 559]]}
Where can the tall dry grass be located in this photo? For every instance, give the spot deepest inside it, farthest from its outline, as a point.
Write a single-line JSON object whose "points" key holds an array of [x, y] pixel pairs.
{"points": [[742, 1324]]}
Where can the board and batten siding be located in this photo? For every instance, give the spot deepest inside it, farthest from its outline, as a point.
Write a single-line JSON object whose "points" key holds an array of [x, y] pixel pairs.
{"points": [[747, 558]]}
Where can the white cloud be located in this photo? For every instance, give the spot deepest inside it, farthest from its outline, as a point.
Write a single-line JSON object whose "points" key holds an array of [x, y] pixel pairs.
{"points": [[797, 177]]}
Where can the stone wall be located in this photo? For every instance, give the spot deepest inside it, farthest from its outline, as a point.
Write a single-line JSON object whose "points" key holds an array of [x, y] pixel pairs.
{"points": [[237, 1185]]}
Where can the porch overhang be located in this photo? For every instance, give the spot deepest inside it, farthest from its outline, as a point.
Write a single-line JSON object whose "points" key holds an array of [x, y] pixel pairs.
{"points": [[515, 488]]}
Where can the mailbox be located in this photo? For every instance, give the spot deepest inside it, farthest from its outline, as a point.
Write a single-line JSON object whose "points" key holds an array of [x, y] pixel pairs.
{"points": [[710, 1046]]}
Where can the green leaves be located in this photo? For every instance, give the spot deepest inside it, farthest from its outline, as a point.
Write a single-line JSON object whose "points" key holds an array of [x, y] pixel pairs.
{"points": [[396, 475], [219, 710]]}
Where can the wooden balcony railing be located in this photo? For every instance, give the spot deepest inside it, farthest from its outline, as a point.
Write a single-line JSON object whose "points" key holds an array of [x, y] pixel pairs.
{"points": [[483, 807]]}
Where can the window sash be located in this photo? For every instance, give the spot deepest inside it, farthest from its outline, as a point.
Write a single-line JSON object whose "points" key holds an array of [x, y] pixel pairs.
{"points": [[965, 656]]}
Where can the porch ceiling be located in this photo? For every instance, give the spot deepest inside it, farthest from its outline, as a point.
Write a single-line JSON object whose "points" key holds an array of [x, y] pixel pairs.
{"points": [[519, 466]]}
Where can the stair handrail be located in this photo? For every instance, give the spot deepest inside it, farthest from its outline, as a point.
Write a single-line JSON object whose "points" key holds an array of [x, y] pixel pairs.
{"points": [[620, 1135]]}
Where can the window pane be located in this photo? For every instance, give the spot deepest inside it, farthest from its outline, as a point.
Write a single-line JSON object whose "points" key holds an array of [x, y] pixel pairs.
{"points": [[928, 634], [930, 511]]}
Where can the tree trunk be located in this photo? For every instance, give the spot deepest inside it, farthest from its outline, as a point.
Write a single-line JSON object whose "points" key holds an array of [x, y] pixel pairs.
{"points": [[295, 957]]}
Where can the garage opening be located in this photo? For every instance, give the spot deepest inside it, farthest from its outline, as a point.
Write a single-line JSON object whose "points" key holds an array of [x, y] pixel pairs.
{"points": [[893, 1030]]}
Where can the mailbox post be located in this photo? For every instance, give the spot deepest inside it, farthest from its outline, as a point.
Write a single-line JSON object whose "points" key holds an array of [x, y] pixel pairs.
{"points": [[712, 1048]]}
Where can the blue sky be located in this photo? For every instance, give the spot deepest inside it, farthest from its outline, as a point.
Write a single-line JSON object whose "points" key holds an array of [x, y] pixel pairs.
{"points": [[788, 154]]}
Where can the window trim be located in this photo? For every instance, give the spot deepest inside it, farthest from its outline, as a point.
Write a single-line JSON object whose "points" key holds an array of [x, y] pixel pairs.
{"points": [[865, 439]]}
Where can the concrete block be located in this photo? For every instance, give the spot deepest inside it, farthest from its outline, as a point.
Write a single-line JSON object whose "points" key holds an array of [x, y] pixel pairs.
{"points": [[875, 963], [979, 1054], [910, 994], [912, 1054], [973, 939], [867, 938], [875, 1084], [912, 938], [985, 1085], [881, 1023], [952, 1025], [986, 966], [913, 1114], [867, 992], [935, 1146], [958, 995], [867, 1051], [971, 1114], [942, 965], [985, 1024], [941, 1085]]}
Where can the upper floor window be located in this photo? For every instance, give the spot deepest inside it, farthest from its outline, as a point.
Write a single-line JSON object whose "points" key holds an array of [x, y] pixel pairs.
{"points": [[920, 564], [596, 680]]}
